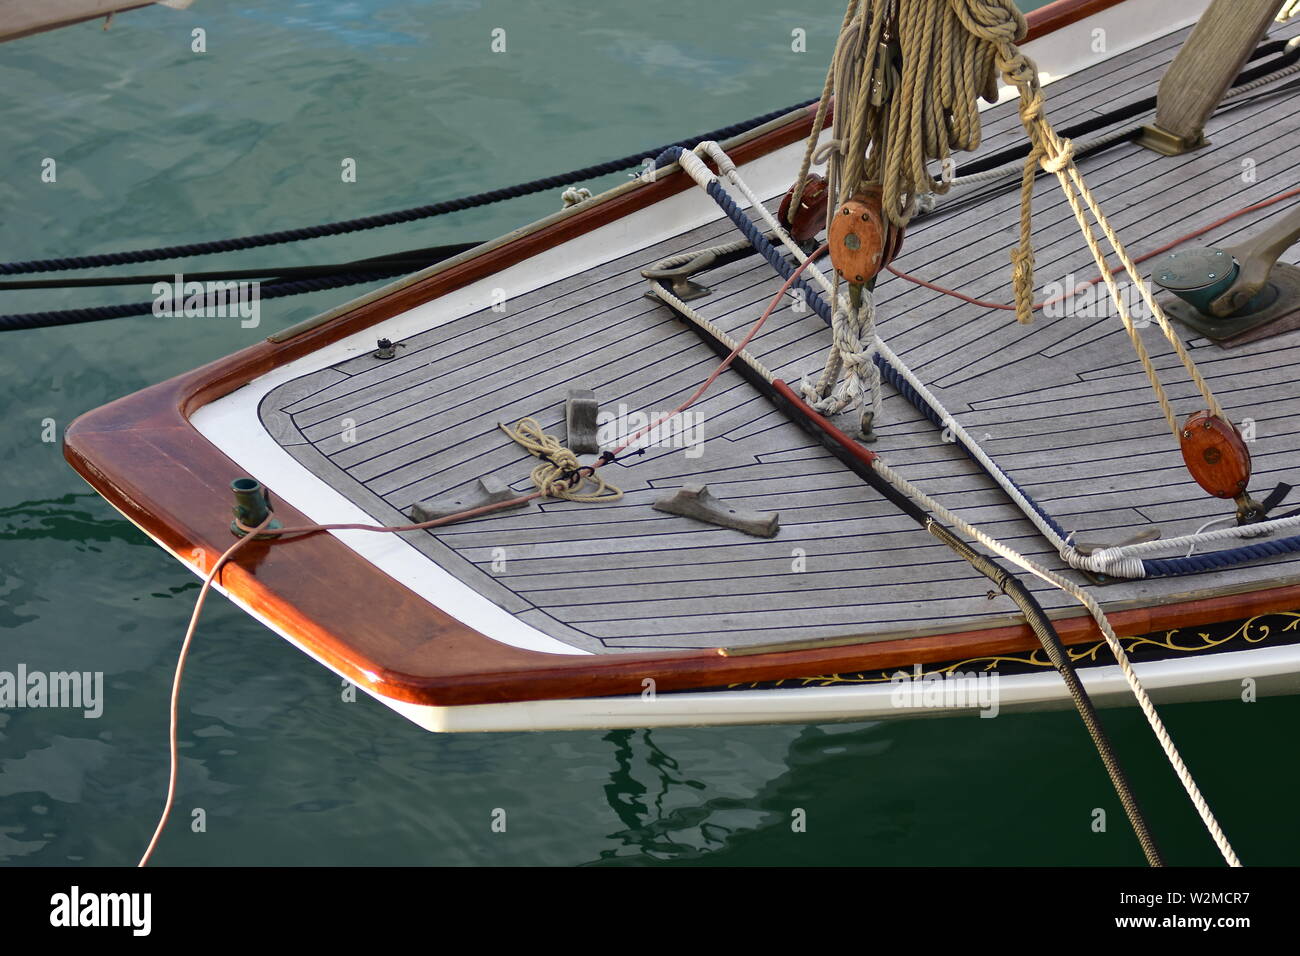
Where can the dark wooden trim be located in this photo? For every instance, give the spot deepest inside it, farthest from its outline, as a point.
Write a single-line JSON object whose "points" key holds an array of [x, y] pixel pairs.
{"points": [[143, 455], [1063, 13]]}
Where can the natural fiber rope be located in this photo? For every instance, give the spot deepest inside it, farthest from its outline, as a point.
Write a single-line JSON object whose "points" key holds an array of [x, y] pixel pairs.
{"points": [[854, 345], [1112, 641], [819, 121], [1056, 580], [559, 474], [952, 52]]}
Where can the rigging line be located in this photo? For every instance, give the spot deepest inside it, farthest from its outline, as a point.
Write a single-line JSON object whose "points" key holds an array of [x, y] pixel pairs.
{"points": [[1117, 562], [1039, 306], [916, 504], [1245, 81]]}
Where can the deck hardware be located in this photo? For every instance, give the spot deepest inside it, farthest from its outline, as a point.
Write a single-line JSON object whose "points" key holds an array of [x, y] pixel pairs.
{"points": [[807, 220], [858, 237], [252, 506], [486, 491], [885, 74], [1139, 537], [387, 349], [1194, 84], [865, 431], [580, 411], [680, 276], [1239, 293], [1215, 455], [695, 501], [1249, 511]]}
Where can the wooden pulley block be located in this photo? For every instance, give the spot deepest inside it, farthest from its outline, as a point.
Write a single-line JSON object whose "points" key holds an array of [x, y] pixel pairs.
{"points": [[1215, 455], [861, 240], [806, 221]]}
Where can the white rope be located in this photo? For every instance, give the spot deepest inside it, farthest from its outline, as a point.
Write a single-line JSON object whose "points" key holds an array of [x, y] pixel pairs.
{"points": [[971, 531], [574, 195], [1118, 562], [1112, 641], [854, 341]]}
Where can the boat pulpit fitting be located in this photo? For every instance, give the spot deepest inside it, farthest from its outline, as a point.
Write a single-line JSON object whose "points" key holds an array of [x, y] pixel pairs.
{"points": [[252, 507], [1237, 294]]}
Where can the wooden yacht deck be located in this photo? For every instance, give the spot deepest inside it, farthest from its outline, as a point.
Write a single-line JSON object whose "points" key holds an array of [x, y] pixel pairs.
{"points": [[1061, 404]]}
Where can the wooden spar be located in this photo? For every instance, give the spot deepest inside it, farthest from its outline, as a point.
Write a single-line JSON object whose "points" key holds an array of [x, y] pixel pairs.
{"points": [[1203, 71]]}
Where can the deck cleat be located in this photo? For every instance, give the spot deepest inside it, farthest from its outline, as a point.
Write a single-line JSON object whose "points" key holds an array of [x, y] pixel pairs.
{"points": [[1138, 537], [680, 276], [486, 491], [695, 501]]}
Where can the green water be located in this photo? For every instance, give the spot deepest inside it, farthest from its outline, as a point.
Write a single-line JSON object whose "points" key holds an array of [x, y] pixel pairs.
{"points": [[156, 144]]}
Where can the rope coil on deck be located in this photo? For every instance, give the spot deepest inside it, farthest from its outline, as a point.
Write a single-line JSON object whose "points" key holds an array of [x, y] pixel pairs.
{"points": [[559, 474]]}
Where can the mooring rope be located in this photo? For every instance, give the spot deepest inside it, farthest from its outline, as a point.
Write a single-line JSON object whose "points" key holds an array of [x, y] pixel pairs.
{"points": [[475, 200], [559, 474]]}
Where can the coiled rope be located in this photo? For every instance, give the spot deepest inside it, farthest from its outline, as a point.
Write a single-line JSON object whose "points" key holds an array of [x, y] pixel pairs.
{"points": [[559, 474]]}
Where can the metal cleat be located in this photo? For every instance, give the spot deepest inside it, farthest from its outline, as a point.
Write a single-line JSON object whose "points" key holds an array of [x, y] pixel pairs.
{"points": [[695, 501], [680, 276], [1141, 537], [580, 410], [487, 491]]}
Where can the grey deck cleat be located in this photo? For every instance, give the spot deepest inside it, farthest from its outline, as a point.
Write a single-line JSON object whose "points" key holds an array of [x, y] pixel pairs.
{"points": [[695, 501], [486, 491]]}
